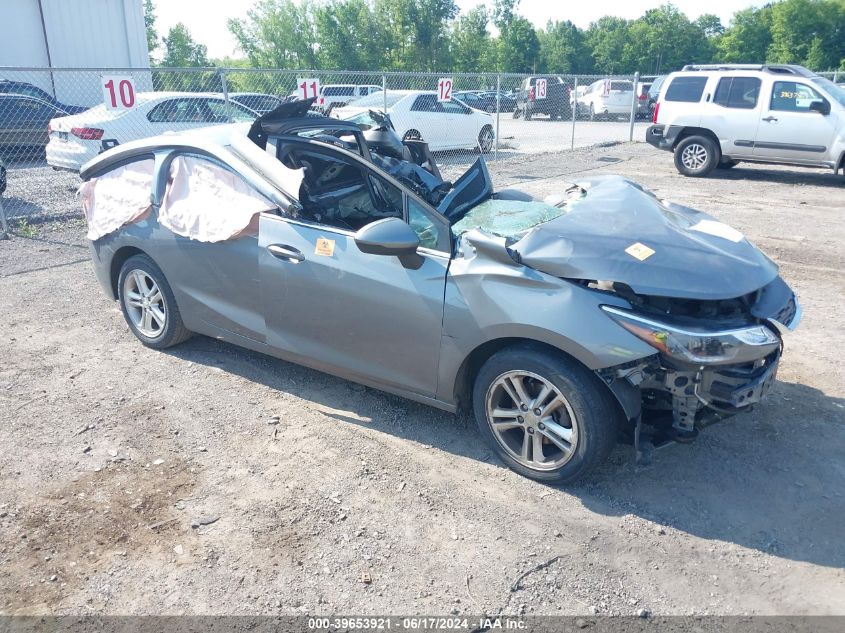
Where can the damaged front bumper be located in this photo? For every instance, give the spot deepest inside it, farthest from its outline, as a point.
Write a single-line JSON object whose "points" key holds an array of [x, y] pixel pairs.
{"points": [[697, 376]]}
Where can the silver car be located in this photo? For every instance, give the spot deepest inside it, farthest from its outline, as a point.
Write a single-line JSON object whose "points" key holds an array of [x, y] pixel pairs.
{"points": [[565, 325]]}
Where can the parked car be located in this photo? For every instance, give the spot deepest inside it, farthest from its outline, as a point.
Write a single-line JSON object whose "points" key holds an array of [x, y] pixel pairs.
{"points": [[556, 104], [256, 101], [643, 109], [24, 121], [486, 101], [76, 139], [418, 114], [23, 88], [606, 99], [553, 320], [715, 116], [339, 95], [653, 93]]}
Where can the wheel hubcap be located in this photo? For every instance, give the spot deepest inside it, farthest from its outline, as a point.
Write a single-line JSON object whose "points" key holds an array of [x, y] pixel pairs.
{"points": [[694, 156], [144, 303], [531, 420]]}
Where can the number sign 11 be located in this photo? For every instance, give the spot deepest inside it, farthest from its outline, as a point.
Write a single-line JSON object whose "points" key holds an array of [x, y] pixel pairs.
{"points": [[118, 92], [444, 89], [309, 89]]}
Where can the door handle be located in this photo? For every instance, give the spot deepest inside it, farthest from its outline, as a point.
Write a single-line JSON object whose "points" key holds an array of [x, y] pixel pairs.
{"points": [[289, 253], [769, 119]]}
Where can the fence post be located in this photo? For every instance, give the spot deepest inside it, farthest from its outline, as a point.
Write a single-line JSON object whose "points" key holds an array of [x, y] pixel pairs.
{"points": [[574, 111], [4, 226], [225, 87], [498, 114], [384, 91], [634, 100]]}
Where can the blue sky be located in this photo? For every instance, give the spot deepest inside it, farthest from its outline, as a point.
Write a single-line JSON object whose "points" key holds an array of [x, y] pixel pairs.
{"points": [[207, 20]]}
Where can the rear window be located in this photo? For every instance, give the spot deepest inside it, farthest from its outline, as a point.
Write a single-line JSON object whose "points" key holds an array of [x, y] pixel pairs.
{"points": [[688, 89], [737, 92], [625, 86]]}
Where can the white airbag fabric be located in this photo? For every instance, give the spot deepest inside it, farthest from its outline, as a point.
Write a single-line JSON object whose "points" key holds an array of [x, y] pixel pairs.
{"points": [[120, 197], [208, 203]]}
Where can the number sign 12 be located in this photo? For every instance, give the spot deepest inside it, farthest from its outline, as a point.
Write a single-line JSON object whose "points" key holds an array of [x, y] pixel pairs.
{"points": [[309, 89], [444, 89], [118, 92]]}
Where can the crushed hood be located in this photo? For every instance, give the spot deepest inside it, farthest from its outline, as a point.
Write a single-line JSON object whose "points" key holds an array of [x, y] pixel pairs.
{"points": [[620, 232]]}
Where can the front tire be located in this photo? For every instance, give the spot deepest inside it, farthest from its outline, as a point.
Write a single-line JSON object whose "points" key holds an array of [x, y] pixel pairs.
{"points": [[696, 156], [148, 304], [546, 416], [412, 135]]}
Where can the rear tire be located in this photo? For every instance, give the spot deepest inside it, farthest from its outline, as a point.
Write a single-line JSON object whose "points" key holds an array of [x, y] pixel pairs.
{"points": [[696, 156], [485, 139], [517, 113], [148, 304], [555, 438]]}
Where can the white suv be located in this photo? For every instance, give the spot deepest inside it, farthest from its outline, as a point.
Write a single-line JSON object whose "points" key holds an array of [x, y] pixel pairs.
{"points": [[715, 116]]}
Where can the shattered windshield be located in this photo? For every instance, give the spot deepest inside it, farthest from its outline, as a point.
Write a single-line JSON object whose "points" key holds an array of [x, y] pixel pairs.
{"points": [[507, 218]]}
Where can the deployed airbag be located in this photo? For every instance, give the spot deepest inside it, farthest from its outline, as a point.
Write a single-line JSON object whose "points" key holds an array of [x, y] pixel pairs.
{"points": [[207, 202], [119, 197]]}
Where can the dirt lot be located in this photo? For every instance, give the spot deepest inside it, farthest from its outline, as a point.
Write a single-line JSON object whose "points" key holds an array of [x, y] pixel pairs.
{"points": [[110, 451]]}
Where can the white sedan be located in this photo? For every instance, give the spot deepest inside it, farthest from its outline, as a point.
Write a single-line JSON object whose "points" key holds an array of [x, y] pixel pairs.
{"points": [[76, 139], [443, 125]]}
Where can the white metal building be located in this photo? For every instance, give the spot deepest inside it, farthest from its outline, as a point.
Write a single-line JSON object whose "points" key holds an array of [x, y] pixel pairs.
{"points": [[71, 34]]}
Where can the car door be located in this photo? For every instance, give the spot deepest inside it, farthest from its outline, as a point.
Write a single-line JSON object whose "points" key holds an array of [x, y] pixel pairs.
{"points": [[331, 306], [216, 283], [426, 116], [458, 123], [790, 130], [733, 114]]}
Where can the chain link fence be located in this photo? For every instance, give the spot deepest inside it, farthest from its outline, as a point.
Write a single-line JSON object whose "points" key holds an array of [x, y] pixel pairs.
{"points": [[61, 118]]}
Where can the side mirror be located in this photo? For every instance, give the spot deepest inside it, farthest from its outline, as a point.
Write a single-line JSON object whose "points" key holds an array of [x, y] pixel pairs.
{"points": [[390, 236], [822, 107]]}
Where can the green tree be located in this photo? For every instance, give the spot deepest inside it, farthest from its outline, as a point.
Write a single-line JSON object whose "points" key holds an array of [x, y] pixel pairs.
{"points": [[471, 42], [747, 38], [278, 34], [808, 32], [664, 39], [518, 47], [710, 24], [349, 35], [180, 49], [150, 25], [606, 39], [562, 47]]}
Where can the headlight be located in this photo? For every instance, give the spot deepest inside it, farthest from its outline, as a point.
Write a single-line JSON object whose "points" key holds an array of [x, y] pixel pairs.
{"points": [[700, 347]]}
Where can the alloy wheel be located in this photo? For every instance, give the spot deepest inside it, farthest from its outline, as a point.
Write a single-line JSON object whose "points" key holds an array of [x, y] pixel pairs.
{"points": [[531, 420], [694, 156], [144, 303]]}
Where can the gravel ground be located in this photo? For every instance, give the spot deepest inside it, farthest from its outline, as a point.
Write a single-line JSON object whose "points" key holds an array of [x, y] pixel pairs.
{"points": [[212, 480]]}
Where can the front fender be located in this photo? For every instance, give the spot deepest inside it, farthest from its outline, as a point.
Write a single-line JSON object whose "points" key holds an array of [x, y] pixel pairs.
{"points": [[489, 296]]}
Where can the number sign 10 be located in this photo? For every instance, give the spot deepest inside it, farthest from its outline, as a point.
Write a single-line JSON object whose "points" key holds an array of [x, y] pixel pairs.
{"points": [[444, 89], [118, 93]]}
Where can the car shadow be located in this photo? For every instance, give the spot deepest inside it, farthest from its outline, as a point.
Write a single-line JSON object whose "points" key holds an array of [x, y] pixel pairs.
{"points": [[796, 176], [772, 480]]}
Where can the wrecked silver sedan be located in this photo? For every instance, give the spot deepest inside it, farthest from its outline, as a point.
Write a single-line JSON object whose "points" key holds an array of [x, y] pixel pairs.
{"points": [[567, 324]]}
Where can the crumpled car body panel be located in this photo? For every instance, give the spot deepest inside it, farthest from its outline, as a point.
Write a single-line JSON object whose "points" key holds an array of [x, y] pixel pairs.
{"points": [[591, 242]]}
